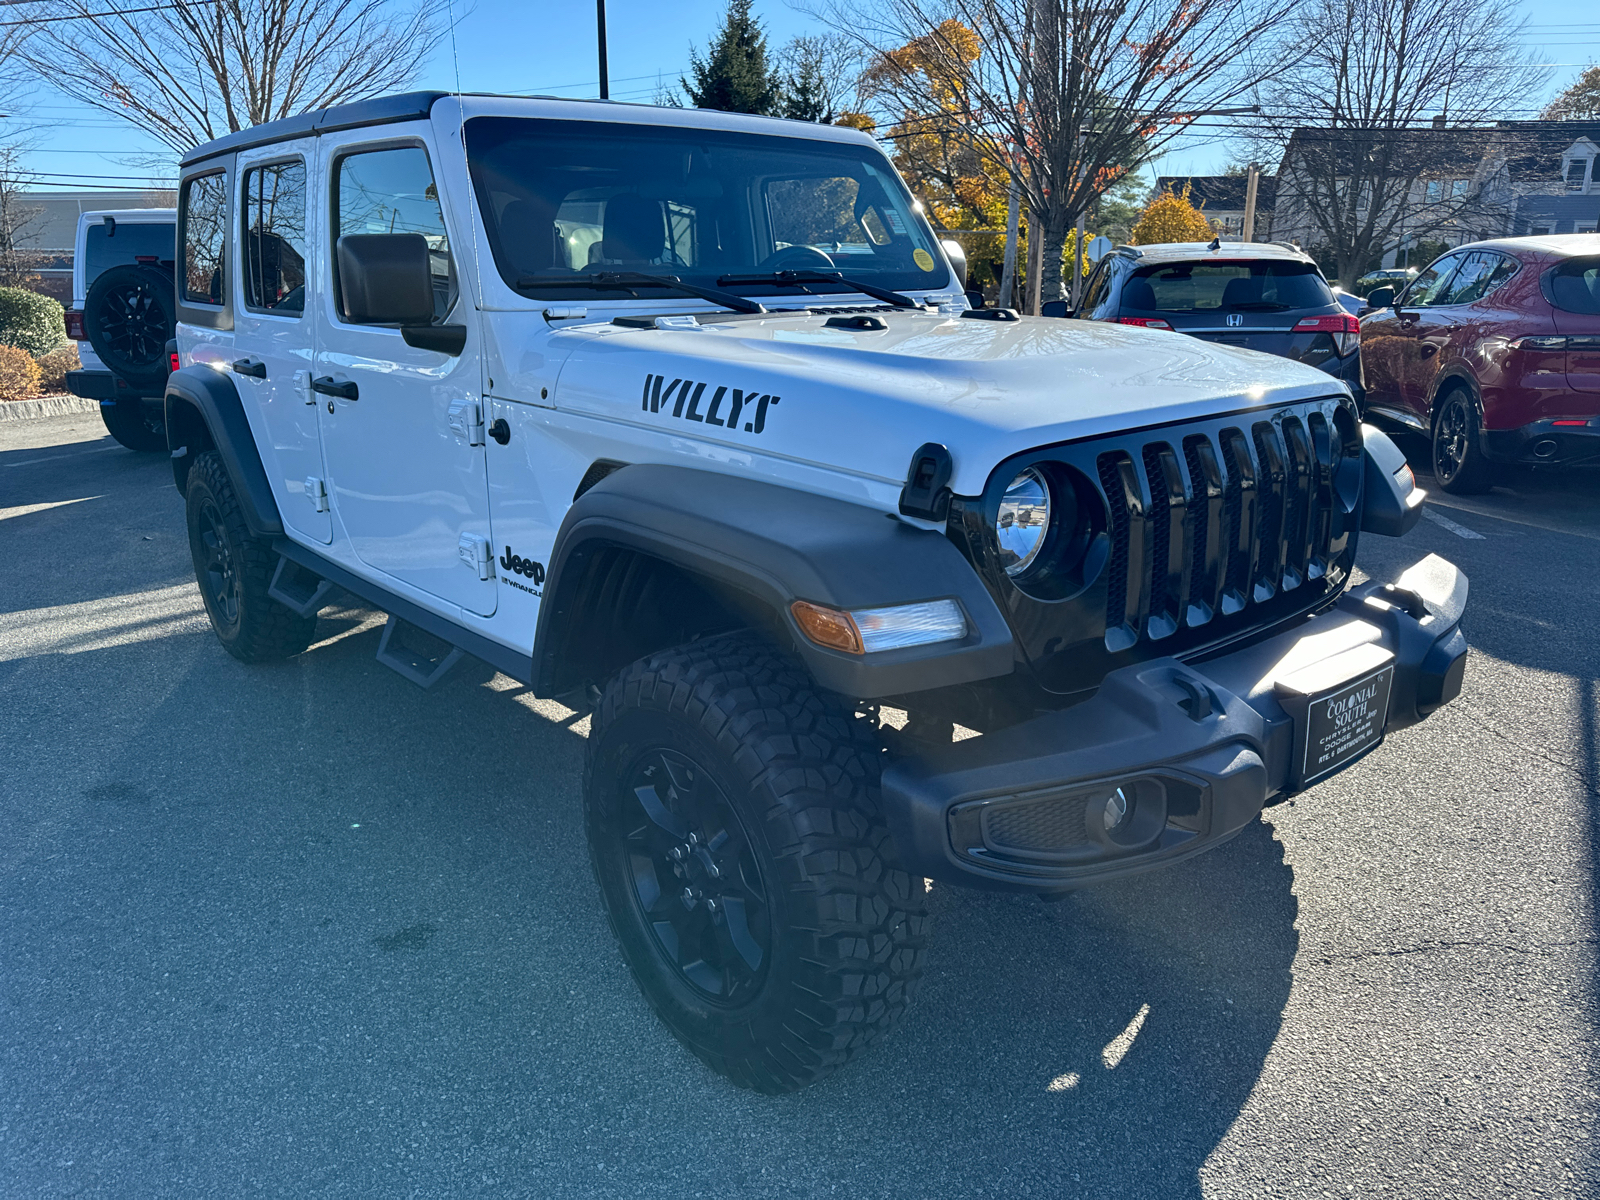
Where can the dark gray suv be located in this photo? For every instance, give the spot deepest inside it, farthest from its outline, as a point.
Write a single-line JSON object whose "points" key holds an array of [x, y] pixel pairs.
{"points": [[1256, 295]]}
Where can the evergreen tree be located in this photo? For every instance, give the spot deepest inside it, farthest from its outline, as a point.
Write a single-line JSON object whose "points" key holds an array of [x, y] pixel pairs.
{"points": [[805, 92], [733, 75]]}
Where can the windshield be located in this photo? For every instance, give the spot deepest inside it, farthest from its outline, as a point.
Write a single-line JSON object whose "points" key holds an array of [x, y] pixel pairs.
{"points": [[569, 199], [1255, 285]]}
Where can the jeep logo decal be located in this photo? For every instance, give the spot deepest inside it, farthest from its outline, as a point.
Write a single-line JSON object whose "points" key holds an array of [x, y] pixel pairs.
{"points": [[725, 407], [517, 565]]}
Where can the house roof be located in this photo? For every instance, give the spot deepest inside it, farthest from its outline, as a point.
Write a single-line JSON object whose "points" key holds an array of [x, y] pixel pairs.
{"points": [[1221, 193], [1532, 149]]}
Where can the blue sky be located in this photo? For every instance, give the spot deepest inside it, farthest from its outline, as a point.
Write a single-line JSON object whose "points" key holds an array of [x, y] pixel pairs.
{"points": [[514, 45]]}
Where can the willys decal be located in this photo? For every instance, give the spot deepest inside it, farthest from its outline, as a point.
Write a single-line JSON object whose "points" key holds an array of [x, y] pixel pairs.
{"points": [[725, 406]]}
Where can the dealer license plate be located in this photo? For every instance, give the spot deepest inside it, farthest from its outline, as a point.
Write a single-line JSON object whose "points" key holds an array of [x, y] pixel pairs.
{"points": [[1344, 723]]}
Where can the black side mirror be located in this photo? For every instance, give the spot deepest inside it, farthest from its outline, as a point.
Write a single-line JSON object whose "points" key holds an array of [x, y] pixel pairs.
{"points": [[385, 279], [1382, 297], [1055, 308], [975, 298]]}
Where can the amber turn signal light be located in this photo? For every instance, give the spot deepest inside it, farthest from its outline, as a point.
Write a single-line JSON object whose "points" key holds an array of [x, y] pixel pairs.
{"points": [[827, 626]]}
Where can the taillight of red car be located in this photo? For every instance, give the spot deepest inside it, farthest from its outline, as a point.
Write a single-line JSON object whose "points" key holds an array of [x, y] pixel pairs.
{"points": [[1144, 322], [1346, 330], [172, 361], [75, 325]]}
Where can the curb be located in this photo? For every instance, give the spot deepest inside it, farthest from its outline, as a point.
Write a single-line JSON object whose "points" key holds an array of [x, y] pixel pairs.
{"points": [[46, 406]]}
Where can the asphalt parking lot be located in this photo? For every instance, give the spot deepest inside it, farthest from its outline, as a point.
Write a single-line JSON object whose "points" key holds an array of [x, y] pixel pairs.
{"points": [[305, 930]]}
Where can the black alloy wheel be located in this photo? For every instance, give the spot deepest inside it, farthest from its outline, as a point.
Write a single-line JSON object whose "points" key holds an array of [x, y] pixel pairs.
{"points": [[234, 570], [129, 315], [1458, 461], [695, 879], [219, 578], [747, 873]]}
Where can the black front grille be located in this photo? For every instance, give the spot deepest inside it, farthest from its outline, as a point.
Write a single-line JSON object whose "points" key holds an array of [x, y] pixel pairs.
{"points": [[1197, 534], [1249, 517]]}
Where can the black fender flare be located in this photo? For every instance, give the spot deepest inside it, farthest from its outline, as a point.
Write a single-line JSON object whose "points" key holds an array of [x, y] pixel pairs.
{"points": [[777, 544], [203, 411]]}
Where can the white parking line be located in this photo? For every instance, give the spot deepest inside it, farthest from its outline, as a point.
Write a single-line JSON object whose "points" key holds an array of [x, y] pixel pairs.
{"points": [[1458, 530]]}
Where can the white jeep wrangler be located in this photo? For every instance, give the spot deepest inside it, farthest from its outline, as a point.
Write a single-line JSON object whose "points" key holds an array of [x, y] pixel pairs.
{"points": [[680, 417]]}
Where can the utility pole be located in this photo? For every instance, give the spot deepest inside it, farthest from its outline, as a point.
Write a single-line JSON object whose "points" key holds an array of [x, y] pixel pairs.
{"points": [[605, 74], [1251, 180], [1078, 232]]}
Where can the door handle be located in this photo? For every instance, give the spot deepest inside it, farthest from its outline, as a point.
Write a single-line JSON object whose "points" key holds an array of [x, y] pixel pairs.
{"points": [[329, 386], [245, 366]]}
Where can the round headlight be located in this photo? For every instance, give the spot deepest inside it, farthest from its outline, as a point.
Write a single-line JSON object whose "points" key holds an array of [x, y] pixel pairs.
{"points": [[1023, 521]]}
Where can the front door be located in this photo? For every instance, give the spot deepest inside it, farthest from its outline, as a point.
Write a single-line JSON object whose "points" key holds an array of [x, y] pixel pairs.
{"points": [[1391, 353], [272, 321], [401, 426]]}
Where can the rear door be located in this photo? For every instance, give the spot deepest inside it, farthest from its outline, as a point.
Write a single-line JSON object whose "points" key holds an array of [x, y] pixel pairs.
{"points": [[273, 328], [404, 445], [1574, 289]]}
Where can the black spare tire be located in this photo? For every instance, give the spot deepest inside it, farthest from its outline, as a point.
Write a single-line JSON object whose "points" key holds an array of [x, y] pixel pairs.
{"points": [[129, 317]]}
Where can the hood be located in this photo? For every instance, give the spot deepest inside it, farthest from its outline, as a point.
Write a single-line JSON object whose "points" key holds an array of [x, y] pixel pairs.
{"points": [[862, 401]]}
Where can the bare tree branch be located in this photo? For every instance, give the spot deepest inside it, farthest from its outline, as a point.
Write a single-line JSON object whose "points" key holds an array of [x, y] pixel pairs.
{"points": [[1353, 120], [200, 69], [1069, 95]]}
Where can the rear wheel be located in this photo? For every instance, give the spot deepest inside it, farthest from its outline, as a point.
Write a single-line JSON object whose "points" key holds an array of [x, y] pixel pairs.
{"points": [[745, 868], [234, 570], [127, 421], [1458, 461]]}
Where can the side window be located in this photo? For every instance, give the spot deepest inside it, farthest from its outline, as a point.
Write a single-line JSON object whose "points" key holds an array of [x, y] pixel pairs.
{"points": [[1428, 287], [1471, 281], [204, 205], [1574, 286], [392, 191], [275, 237], [1095, 294]]}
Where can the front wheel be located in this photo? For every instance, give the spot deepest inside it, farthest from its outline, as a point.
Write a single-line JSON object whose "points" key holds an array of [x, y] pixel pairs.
{"points": [[745, 868], [1458, 461]]}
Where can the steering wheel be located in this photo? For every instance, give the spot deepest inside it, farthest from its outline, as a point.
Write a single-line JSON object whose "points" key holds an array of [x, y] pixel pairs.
{"points": [[797, 258]]}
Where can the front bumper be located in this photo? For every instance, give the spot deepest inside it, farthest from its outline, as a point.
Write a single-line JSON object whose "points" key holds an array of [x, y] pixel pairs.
{"points": [[1546, 443], [1194, 750]]}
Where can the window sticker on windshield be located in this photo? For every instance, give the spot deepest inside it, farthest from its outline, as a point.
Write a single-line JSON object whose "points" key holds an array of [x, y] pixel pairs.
{"points": [[922, 258], [725, 406]]}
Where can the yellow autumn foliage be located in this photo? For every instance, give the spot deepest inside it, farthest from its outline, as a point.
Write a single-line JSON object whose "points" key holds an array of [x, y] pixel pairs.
{"points": [[1171, 218]]}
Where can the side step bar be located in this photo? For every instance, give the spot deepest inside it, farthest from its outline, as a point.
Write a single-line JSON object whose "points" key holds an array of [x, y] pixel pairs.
{"points": [[304, 580], [413, 664], [301, 591]]}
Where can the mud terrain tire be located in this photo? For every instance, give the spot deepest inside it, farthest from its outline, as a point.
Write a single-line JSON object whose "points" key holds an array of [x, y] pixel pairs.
{"points": [[734, 830]]}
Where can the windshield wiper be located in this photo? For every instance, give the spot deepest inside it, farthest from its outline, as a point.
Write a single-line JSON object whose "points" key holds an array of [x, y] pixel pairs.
{"points": [[800, 278], [626, 281]]}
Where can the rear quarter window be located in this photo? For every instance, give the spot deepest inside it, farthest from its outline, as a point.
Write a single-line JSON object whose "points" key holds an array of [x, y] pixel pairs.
{"points": [[1574, 286], [1236, 286]]}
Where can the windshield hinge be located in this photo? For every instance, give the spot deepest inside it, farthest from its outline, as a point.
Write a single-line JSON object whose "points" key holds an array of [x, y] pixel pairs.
{"points": [[566, 312], [466, 421]]}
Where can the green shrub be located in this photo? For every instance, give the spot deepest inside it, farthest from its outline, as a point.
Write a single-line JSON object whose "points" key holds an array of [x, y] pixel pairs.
{"points": [[30, 321], [19, 374], [53, 368]]}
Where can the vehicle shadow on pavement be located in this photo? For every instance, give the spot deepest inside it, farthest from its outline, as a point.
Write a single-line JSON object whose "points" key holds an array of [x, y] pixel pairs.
{"points": [[282, 920]]}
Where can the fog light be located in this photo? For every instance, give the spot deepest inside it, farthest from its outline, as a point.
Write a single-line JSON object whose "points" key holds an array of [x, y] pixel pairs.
{"points": [[1116, 811]]}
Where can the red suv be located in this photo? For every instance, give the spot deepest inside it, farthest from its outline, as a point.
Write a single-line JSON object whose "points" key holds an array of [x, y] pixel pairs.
{"points": [[1494, 353]]}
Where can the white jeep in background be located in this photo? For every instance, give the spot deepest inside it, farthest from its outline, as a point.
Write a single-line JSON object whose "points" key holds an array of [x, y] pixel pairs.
{"points": [[122, 318], [681, 418]]}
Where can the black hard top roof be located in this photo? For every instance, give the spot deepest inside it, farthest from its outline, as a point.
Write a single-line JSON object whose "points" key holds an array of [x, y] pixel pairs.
{"points": [[407, 106]]}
